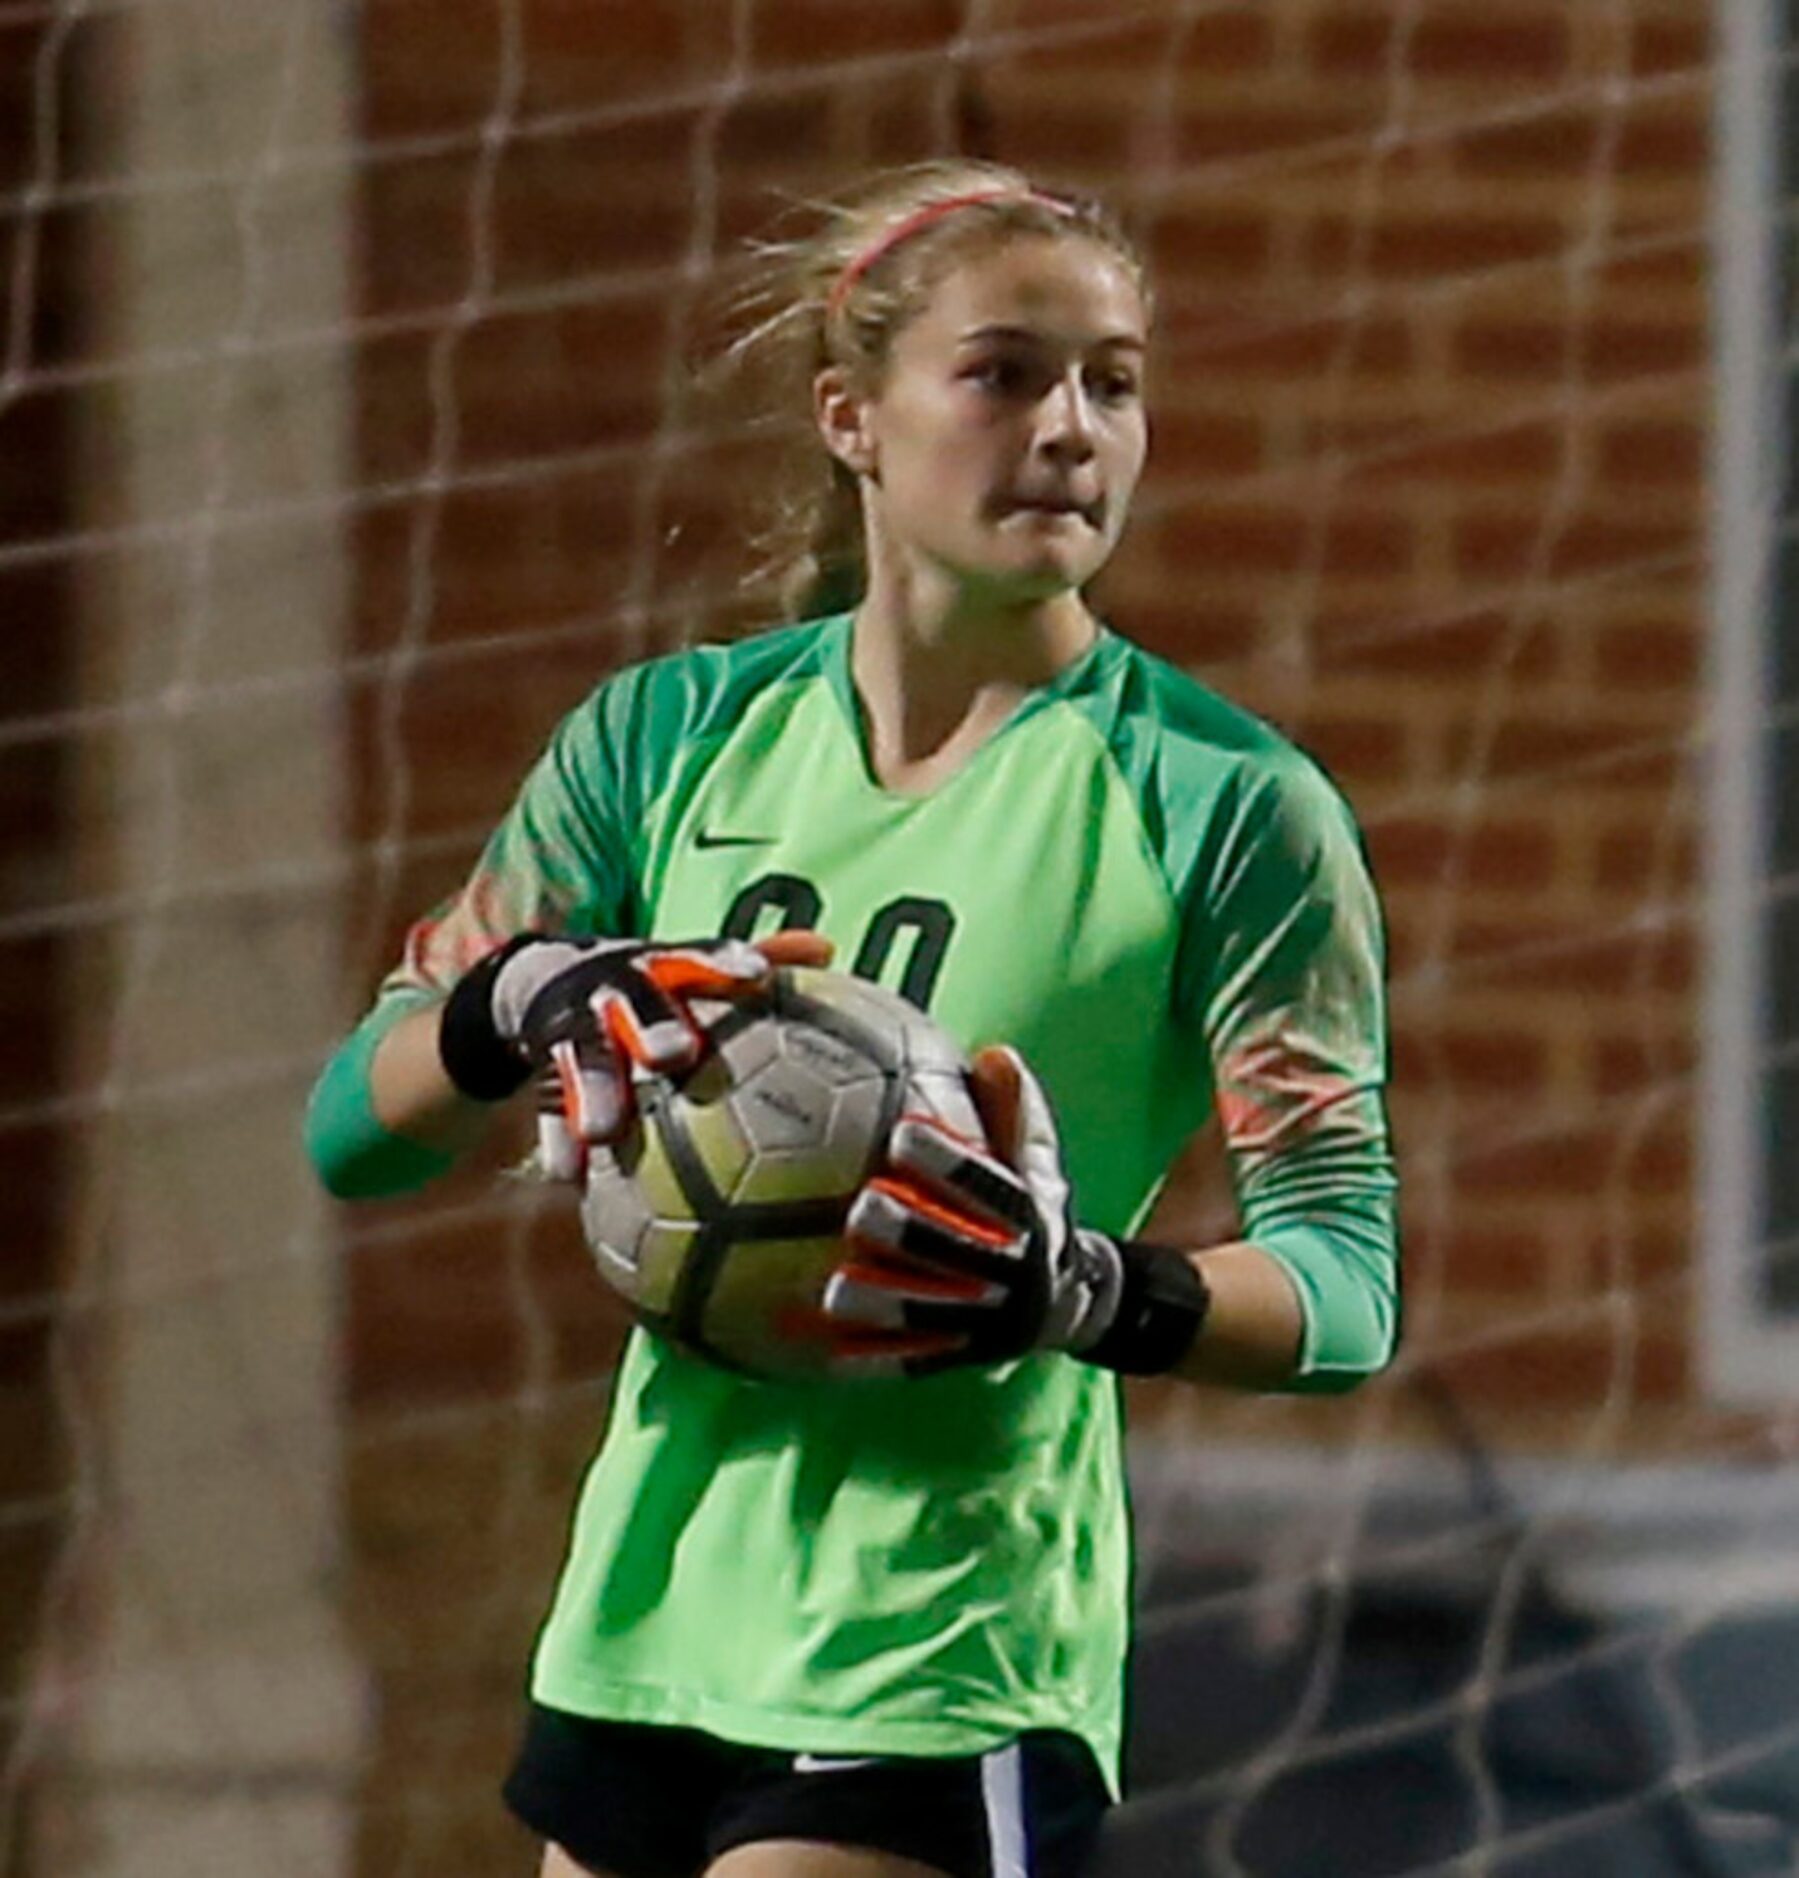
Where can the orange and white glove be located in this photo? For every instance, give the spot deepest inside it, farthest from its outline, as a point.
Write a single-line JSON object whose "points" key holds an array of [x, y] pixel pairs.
{"points": [[580, 1013], [963, 1252]]}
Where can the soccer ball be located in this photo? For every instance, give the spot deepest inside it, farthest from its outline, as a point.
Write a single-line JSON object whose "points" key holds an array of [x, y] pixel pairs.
{"points": [[718, 1216]]}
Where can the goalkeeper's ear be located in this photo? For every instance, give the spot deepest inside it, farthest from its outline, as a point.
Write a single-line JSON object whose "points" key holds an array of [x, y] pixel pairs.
{"points": [[840, 411]]}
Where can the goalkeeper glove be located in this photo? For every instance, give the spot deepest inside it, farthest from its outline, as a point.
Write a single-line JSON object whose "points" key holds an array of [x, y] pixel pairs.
{"points": [[580, 1013], [966, 1253]]}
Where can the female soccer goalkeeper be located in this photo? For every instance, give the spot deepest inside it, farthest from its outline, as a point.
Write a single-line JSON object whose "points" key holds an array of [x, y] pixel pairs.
{"points": [[879, 1630]]}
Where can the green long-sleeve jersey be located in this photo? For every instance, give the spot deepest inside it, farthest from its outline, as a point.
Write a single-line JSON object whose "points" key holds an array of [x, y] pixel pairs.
{"points": [[1166, 908]]}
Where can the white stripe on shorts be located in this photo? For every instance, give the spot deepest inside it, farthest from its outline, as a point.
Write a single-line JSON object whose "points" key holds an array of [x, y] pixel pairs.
{"points": [[1002, 1794]]}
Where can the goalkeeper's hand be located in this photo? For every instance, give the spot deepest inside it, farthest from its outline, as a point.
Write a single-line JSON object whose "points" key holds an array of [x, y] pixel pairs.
{"points": [[965, 1252], [580, 1013]]}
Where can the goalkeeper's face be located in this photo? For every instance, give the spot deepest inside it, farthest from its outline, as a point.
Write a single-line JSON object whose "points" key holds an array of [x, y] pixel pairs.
{"points": [[1007, 436]]}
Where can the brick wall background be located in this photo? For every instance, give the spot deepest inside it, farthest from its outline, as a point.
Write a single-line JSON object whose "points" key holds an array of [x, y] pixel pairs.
{"points": [[1426, 489]]}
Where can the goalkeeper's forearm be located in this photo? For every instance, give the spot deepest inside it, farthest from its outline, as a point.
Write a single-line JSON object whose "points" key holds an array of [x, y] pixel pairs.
{"points": [[412, 1093], [385, 1117], [1253, 1328], [1311, 1308]]}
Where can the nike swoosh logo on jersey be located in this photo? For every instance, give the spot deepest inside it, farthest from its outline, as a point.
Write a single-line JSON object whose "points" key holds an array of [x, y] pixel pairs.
{"points": [[707, 839], [820, 1764]]}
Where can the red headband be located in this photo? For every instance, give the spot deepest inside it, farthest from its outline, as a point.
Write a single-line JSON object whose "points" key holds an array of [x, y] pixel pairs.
{"points": [[910, 225]]}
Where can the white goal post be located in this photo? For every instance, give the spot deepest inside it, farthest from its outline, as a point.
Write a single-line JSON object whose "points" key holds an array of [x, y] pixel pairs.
{"points": [[1750, 1345]]}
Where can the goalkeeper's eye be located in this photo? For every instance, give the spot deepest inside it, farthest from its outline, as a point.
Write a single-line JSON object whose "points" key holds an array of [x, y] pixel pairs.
{"points": [[1114, 387], [1006, 377]]}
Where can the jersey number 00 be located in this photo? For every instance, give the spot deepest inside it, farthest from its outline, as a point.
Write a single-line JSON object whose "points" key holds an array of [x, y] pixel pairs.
{"points": [[795, 901]]}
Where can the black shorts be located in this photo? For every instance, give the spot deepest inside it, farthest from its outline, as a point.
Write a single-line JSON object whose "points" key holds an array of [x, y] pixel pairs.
{"points": [[651, 1802]]}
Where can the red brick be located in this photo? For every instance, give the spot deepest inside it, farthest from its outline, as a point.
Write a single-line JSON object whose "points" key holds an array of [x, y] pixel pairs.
{"points": [[1573, 962], [1608, 350], [1213, 540], [1505, 855], [1617, 348], [1564, 1367], [1662, 1367], [417, 248], [1090, 42], [1522, 44], [456, 88], [1651, 1254], [1470, 1063], [1646, 453], [1673, 274], [1296, 350], [532, 384], [1660, 1159], [1661, 45], [806, 32], [1528, 453], [1194, 632], [1483, 1258], [1510, 350], [1411, 938], [1567, 1163], [1127, 46], [1627, 1065], [515, 536], [1207, 241], [1354, 749], [393, 406], [578, 208], [1646, 857], [1223, 539], [1344, 43], [1496, 550], [1598, 1361], [899, 118], [1649, 656], [1227, 42], [1456, 650], [1214, 130], [1669, 137], [1608, 756], [1204, 442], [493, 729], [1431, 246], [431, 1319], [1041, 134], [574, 56], [1559, 143], [583, 1318], [772, 132], [1517, 43]]}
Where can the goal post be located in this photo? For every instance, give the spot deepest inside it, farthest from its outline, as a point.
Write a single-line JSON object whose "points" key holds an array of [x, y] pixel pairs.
{"points": [[211, 1720]]}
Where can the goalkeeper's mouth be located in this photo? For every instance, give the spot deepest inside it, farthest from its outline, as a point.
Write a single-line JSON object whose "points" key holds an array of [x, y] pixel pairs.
{"points": [[1092, 513]]}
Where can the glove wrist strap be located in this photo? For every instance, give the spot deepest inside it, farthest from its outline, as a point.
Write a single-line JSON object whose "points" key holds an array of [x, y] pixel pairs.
{"points": [[1162, 1303], [475, 1057]]}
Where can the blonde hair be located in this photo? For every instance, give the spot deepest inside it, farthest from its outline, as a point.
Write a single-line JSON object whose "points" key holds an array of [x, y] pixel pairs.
{"points": [[841, 294]]}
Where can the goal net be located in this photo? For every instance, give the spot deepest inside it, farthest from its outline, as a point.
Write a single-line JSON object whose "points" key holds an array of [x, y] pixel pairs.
{"points": [[349, 402]]}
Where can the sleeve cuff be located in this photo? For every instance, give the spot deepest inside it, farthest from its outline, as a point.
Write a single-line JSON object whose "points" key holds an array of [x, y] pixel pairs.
{"points": [[356, 1156]]}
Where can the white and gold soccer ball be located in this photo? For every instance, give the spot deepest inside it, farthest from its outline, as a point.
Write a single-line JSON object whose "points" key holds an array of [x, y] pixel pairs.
{"points": [[718, 1216]]}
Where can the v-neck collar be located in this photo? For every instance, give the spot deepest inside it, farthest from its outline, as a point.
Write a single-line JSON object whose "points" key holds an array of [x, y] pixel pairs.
{"points": [[838, 632]]}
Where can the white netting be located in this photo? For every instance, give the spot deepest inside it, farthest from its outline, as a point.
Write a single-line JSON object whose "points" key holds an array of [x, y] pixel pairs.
{"points": [[351, 437]]}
